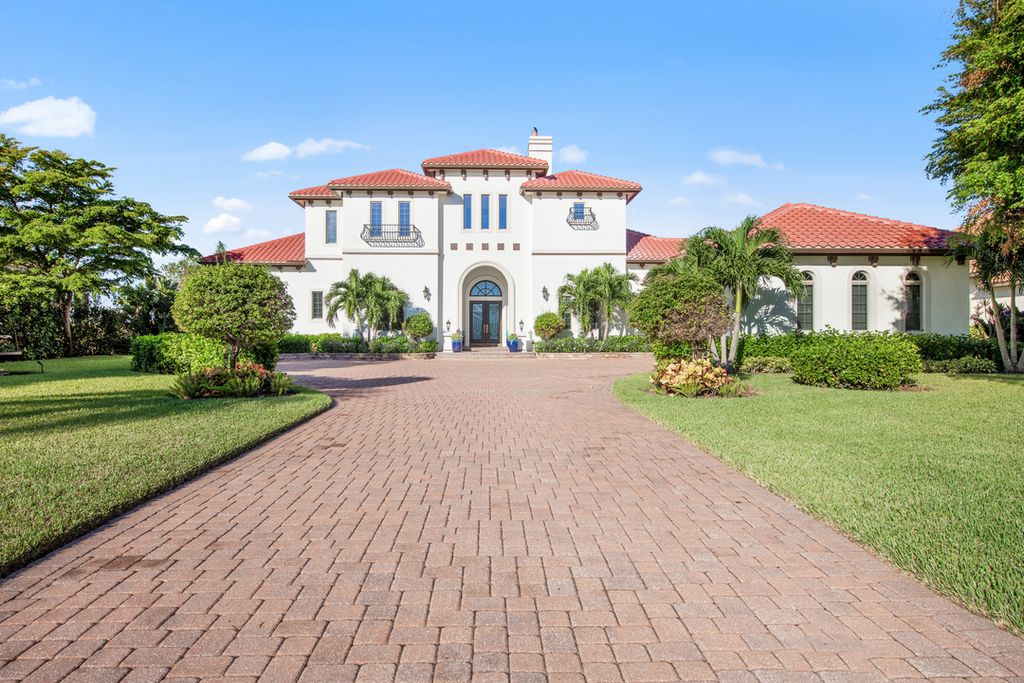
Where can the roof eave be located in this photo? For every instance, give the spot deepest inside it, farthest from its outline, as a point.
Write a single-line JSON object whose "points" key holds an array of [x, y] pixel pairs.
{"points": [[893, 251]]}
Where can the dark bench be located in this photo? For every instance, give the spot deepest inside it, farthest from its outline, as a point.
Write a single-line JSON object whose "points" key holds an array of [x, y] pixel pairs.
{"points": [[16, 355]]}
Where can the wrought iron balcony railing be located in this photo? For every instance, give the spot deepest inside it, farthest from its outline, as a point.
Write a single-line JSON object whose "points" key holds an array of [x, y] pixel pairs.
{"points": [[582, 220], [390, 235]]}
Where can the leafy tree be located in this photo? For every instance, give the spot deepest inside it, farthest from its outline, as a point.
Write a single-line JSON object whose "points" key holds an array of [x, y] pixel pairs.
{"points": [[614, 291], [147, 305], [741, 261], [63, 233], [384, 304], [242, 305], [349, 297], [689, 308], [369, 300], [978, 153], [578, 297], [418, 326], [547, 325]]}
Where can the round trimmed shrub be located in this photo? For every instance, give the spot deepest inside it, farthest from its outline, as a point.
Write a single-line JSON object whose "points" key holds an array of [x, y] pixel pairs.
{"points": [[857, 361], [547, 325], [418, 326]]}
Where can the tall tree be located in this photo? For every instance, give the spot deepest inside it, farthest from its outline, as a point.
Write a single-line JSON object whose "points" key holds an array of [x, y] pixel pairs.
{"points": [[979, 152], [384, 304], [63, 233], [369, 300], [578, 296], [742, 260], [614, 291], [348, 296]]}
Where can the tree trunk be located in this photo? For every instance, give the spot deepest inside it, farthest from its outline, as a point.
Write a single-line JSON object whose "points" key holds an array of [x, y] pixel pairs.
{"points": [[734, 348], [1013, 323], [607, 323], [66, 306], [997, 323], [233, 359], [713, 348]]}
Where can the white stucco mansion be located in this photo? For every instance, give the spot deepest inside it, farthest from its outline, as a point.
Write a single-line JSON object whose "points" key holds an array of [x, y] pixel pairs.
{"points": [[482, 240]]}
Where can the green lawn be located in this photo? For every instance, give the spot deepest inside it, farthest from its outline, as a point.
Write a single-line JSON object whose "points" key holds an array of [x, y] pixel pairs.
{"points": [[933, 480], [89, 438]]}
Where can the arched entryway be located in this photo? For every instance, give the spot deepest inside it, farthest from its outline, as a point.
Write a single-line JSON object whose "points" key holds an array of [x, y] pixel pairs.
{"points": [[486, 296]]}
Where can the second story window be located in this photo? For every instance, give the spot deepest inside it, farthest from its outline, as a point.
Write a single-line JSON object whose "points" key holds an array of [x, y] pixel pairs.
{"points": [[485, 212], [404, 222], [376, 219], [502, 211], [578, 211], [467, 211], [331, 228]]}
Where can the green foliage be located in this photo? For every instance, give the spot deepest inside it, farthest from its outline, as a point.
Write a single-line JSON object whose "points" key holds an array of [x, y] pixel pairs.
{"points": [[188, 386], [64, 235], [599, 292], [328, 342], [931, 346], [427, 346], [146, 304], [692, 378], [968, 365], [245, 380], [686, 308], [871, 360], [674, 351], [418, 326], [613, 344], [280, 384], [33, 327], [765, 364], [369, 300], [243, 306], [175, 353], [547, 325], [393, 344]]}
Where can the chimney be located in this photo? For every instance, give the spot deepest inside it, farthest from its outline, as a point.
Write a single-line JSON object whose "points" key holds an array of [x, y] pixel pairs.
{"points": [[540, 147]]}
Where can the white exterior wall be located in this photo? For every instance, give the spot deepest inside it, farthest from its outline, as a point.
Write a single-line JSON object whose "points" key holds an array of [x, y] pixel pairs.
{"points": [[944, 296]]}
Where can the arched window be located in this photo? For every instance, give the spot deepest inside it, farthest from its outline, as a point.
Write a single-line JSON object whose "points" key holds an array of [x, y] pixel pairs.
{"points": [[485, 288], [805, 304], [859, 301], [912, 319]]}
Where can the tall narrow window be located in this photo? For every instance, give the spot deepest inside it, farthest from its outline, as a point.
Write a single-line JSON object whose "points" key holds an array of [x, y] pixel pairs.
{"points": [[577, 211], [317, 307], [859, 301], [912, 319], [485, 212], [566, 314], [404, 216], [805, 304], [467, 211], [502, 211], [331, 228], [376, 219]]}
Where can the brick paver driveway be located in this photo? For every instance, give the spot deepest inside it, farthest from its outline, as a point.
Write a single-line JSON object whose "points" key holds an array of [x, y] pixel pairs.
{"points": [[462, 518]]}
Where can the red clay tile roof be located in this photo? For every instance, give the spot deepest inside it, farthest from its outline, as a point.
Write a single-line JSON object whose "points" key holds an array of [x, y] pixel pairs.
{"points": [[581, 180], [808, 226], [391, 179], [485, 158], [643, 247], [316, 192], [290, 250]]}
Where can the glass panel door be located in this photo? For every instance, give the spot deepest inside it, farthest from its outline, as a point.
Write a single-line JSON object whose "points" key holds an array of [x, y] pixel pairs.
{"points": [[494, 321]]}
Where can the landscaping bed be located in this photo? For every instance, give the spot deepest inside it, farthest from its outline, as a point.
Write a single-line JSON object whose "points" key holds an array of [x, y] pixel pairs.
{"points": [[89, 439], [931, 480]]}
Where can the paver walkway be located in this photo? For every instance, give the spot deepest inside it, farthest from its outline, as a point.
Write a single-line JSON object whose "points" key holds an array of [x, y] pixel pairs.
{"points": [[485, 519]]}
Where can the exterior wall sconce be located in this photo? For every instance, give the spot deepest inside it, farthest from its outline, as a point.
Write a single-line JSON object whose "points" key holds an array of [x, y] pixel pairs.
{"points": [[520, 327], [544, 292], [447, 325], [873, 260], [426, 293], [832, 260]]}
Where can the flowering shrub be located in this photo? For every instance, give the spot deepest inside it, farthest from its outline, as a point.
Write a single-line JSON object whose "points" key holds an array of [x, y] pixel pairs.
{"points": [[692, 378], [246, 380]]}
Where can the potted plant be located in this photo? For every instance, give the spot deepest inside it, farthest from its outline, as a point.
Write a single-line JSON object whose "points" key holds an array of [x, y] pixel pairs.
{"points": [[456, 341], [512, 341]]}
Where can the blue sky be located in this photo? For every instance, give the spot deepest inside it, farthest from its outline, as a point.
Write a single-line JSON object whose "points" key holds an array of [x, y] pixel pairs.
{"points": [[718, 109]]}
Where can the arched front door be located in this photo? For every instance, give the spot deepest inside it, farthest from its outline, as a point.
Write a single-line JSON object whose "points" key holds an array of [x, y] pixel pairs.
{"points": [[485, 303]]}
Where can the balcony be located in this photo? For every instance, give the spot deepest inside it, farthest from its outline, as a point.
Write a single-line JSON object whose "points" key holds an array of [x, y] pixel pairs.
{"points": [[582, 219], [392, 235]]}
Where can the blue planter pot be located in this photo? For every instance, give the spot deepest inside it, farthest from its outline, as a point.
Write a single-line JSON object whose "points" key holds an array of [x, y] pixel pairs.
{"points": [[513, 346], [456, 346]]}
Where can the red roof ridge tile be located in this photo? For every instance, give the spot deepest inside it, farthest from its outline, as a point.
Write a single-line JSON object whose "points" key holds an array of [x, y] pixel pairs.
{"points": [[484, 158]]}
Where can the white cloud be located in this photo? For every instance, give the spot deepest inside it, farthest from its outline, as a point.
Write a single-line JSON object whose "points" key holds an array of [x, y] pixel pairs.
{"points": [[864, 197], [51, 117], [257, 233], [679, 201], [311, 147], [11, 84], [572, 154], [272, 151], [231, 203], [732, 157], [702, 178], [511, 149], [738, 198], [221, 223]]}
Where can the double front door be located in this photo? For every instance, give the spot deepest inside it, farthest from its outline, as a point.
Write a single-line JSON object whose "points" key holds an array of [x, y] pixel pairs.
{"points": [[484, 322]]}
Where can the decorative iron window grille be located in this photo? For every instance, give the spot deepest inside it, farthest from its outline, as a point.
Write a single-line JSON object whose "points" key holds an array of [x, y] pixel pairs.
{"points": [[392, 235], [581, 217]]}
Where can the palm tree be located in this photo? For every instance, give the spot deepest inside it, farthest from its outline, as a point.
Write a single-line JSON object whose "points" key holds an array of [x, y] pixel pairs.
{"points": [[614, 290], [578, 296], [742, 260], [384, 303], [991, 263], [349, 297]]}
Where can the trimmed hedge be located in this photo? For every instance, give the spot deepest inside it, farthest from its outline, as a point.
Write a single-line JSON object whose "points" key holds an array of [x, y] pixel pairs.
{"points": [[931, 346], [329, 342], [766, 364], [617, 344], [174, 353], [870, 360], [968, 365]]}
